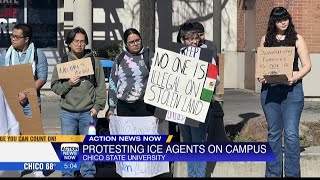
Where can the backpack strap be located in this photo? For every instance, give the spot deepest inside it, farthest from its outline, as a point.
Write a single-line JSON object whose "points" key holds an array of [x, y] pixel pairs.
{"points": [[94, 67], [120, 58], [146, 58], [35, 56], [64, 59], [35, 59]]}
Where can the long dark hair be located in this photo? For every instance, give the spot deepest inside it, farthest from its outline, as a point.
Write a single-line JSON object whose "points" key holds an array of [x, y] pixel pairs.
{"points": [[280, 13]]}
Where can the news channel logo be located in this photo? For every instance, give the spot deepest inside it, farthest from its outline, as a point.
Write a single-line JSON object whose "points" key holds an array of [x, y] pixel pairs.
{"points": [[69, 151]]}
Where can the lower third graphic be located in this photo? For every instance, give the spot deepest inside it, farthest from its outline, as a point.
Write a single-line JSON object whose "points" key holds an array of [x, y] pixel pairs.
{"points": [[69, 151]]}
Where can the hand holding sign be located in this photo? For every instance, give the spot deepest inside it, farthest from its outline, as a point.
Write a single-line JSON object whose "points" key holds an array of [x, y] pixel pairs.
{"points": [[76, 68], [73, 81], [274, 64]]}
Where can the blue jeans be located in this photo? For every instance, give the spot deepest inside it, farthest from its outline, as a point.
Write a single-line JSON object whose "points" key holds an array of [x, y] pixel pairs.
{"points": [[71, 124], [282, 106], [196, 134], [27, 109]]}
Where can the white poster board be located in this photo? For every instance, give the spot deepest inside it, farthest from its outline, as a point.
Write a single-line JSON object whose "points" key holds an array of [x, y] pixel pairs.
{"points": [[9, 126], [148, 125], [175, 84]]}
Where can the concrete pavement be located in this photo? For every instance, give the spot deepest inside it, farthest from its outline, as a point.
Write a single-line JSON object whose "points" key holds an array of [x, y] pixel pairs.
{"points": [[242, 105], [239, 106]]}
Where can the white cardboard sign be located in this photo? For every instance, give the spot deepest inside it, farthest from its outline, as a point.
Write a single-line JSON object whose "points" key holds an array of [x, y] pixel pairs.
{"points": [[147, 125], [175, 84]]}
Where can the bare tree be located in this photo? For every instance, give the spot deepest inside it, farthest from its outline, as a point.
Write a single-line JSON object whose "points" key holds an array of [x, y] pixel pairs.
{"points": [[147, 23]]}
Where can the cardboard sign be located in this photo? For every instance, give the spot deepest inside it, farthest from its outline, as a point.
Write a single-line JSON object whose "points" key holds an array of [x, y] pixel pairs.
{"points": [[15, 79], [139, 126], [175, 84], [275, 62], [80, 67]]}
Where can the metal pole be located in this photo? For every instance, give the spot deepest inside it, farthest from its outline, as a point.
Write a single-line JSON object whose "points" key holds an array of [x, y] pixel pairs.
{"points": [[82, 16], [217, 24]]}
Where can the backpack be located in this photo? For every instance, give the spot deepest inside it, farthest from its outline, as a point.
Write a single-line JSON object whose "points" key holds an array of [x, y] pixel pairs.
{"points": [[145, 58], [65, 59]]}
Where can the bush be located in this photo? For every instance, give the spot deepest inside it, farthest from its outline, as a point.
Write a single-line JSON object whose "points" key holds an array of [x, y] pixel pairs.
{"points": [[110, 51]]}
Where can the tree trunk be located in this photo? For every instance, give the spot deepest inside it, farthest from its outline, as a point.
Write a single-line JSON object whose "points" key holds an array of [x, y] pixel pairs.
{"points": [[147, 23]]}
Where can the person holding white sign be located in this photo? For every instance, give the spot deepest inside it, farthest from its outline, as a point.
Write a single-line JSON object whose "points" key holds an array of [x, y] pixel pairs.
{"points": [[81, 97], [188, 35], [283, 103], [129, 77], [127, 86]]}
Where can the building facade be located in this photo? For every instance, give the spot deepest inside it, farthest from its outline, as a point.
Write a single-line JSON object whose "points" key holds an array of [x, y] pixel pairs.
{"points": [[252, 20], [237, 30]]}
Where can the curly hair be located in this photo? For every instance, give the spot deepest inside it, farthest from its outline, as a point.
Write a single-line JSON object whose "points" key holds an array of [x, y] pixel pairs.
{"points": [[280, 13]]}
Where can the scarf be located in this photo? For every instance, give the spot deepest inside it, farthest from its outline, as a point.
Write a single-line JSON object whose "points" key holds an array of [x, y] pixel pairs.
{"points": [[12, 57]]}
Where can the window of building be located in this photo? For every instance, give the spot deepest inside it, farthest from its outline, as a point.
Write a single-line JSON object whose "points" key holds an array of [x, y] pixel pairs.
{"points": [[41, 15]]}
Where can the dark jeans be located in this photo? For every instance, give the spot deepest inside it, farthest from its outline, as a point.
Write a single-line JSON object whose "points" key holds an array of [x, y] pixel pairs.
{"points": [[282, 106], [197, 134], [73, 123]]}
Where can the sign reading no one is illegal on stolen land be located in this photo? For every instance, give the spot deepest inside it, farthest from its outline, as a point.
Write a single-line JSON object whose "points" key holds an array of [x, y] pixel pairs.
{"points": [[176, 83]]}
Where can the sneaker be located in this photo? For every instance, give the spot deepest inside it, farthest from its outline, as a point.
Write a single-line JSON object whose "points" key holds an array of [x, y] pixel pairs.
{"points": [[38, 174]]}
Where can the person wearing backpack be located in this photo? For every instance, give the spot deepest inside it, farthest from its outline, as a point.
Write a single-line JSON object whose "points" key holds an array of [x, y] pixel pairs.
{"points": [[81, 97], [129, 77]]}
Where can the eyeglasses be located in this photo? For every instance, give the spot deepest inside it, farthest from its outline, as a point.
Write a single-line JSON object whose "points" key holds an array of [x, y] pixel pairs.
{"points": [[192, 39], [132, 43], [82, 43], [16, 38]]}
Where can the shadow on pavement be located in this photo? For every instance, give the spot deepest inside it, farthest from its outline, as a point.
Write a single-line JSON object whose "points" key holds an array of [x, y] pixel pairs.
{"points": [[234, 130]]}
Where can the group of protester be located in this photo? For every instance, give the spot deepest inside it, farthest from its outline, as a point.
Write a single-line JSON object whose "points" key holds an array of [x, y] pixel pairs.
{"points": [[83, 97]]}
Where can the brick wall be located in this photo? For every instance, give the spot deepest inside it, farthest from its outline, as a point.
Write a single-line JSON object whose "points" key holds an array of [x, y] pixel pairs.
{"points": [[305, 15], [263, 9]]}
